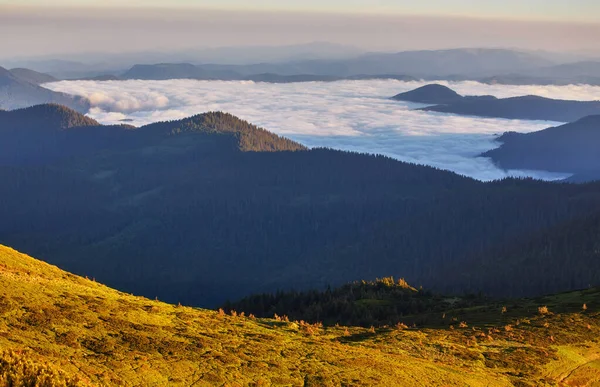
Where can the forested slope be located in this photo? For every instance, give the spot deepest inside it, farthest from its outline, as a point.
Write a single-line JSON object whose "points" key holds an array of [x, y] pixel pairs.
{"points": [[196, 211], [571, 148]]}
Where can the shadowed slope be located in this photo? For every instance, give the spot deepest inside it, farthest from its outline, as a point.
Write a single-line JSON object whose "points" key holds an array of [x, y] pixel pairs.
{"points": [[31, 76], [250, 137], [17, 92], [48, 132], [570, 148], [528, 107], [45, 117]]}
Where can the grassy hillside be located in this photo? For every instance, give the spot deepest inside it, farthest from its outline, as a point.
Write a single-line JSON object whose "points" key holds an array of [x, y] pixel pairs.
{"points": [[56, 325]]}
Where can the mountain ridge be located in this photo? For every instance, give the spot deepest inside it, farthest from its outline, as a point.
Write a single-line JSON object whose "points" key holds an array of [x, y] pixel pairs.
{"points": [[17, 92], [196, 191], [570, 148], [63, 132], [529, 107], [32, 76]]}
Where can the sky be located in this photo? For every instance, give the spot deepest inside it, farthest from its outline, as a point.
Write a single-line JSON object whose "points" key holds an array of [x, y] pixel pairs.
{"points": [[573, 10], [58, 27]]}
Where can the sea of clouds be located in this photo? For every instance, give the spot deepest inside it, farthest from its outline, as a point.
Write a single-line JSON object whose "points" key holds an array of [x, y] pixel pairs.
{"points": [[348, 115]]}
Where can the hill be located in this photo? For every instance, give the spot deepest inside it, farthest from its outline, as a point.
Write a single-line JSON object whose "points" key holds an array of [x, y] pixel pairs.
{"points": [[250, 137], [17, 92], [529, 107], [430, 94], [212, 208], [84, 334], [60, 132], [31, 76], [571, 148], [46, 116]]}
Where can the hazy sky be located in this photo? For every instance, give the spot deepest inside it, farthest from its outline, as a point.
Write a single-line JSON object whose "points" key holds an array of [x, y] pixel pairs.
{"points": [[529, 9], [43, 27]]}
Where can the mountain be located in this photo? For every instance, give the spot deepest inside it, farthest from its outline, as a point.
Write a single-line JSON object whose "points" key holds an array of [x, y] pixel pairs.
{"points": [[59, 329], [64, 68], [17, 92], [521, 79], [529, 107], [60, 132], [211, 208], [325, 60], [216, 72], [571, 148], [274, 54], [430, 94], [586, 72], [571, 70], [178, 71], [249, 137], [442, 63], [48, 116], [31, 76]]}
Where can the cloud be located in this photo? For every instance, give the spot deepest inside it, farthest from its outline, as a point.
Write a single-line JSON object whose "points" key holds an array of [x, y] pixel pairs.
{"points": [[349, 115]]}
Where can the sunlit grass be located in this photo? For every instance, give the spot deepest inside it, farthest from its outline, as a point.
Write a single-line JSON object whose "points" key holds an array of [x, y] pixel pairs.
{"points": [[104, 337]]}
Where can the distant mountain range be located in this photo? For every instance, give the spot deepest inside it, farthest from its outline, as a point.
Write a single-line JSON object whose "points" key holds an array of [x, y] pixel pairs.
{"points": [[586, 72], [484, 65], [413, 63], [321, 61], [528, 107], [20, 88], [88, 65], [211, 208], [572, 148]]}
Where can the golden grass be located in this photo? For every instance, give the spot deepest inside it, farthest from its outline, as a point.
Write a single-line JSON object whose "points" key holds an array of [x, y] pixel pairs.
{"points": [[105, 337]]}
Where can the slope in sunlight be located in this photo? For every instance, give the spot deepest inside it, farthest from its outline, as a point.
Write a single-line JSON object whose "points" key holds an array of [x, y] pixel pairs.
{"points": [[100, 336]]}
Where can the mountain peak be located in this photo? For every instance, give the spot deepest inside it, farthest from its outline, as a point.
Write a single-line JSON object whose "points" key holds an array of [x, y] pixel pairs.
{"points": [[21, 89], [250, 137], [31, 76], [430, 94], [49, 115]]}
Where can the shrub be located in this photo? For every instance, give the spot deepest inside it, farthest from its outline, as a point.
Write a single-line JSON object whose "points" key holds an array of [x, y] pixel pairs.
{"points": [[18, 370]]}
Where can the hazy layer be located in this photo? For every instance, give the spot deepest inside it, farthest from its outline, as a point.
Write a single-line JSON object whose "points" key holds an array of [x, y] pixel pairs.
{"points": [[350, 115], [56, 31]]}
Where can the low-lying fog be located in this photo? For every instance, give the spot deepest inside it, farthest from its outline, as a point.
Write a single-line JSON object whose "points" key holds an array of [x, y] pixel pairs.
{"points": [[349, 115]]}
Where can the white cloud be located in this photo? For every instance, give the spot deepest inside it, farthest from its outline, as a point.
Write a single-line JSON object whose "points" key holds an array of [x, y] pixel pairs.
{"points": [[350, 115]]}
